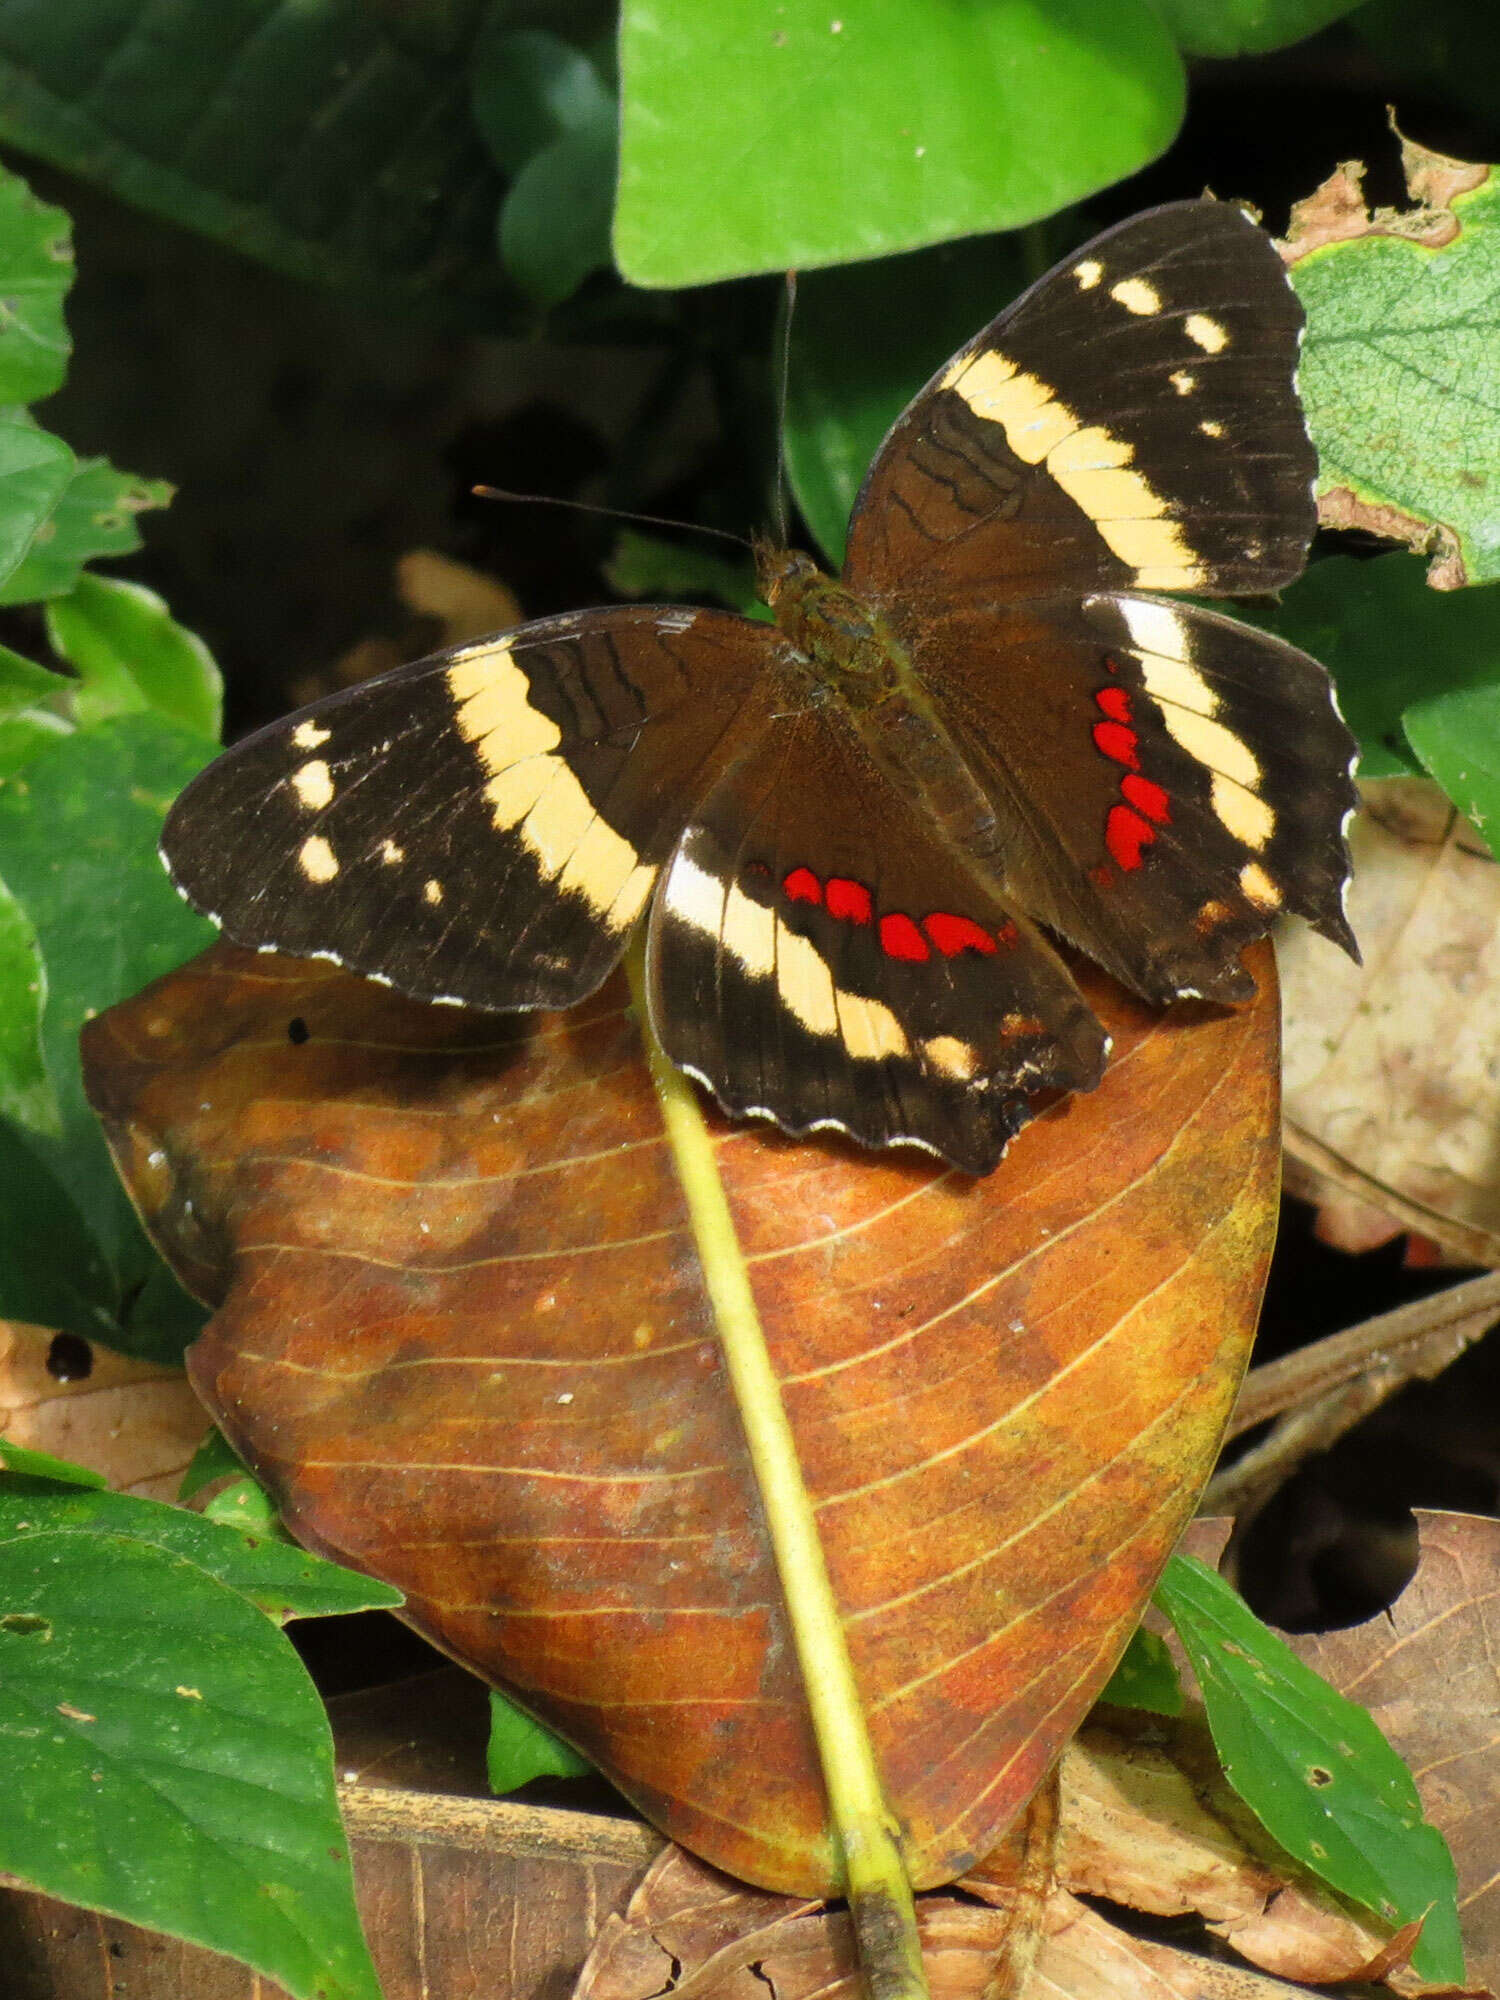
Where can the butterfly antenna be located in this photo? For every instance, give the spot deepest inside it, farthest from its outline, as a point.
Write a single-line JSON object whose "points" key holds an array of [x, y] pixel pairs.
{"points": [[614, 513], [779, 495]]}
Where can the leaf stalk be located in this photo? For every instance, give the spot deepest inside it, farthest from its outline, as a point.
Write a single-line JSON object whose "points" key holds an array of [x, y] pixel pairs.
{"points": [[874, 1871]]}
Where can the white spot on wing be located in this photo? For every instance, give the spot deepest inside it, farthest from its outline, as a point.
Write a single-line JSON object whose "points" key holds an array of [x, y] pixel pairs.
{"points": [[313, 784], [317, 859], [1136, 296], [308, 736], [1088, 273], [1206, 333]]}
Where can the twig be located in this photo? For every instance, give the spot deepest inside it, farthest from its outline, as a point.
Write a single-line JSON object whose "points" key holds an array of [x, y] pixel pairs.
{"points": [[1326, 1389]]}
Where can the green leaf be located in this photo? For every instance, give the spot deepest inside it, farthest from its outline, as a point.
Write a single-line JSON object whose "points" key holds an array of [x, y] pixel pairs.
{"points": [[1457, 737], [42, 1465], [520, 1750], [215, 1458], [1388, 641], [95, 517], [327, 137], [529, 88], [1313, 1767], [23, 683], [26, 732], [1400, 376], [25, 1095], [36, 269], [646, 566], [554, 226], [1247, 27], [279, 1578], [762, 139], [52, 1272], [130, 653], [843, 395], [35, 470], [165, 1758], [79, 825], [1146, 1677]]}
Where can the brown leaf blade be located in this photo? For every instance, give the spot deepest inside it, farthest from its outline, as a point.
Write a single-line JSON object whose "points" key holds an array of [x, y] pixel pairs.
{"points": [[463, 1336]]}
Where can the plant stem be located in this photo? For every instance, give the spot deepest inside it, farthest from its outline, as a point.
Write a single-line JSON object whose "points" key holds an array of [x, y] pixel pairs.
{"points": [[874, 1873]]}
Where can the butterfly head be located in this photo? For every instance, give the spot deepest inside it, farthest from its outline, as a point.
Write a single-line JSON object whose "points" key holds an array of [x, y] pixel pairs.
{"points": [[781, 573]]}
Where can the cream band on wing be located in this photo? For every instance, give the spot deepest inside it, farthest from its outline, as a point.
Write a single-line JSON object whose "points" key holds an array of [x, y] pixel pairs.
{"points": [[765, 949], [532, 791], [1092, 466]]}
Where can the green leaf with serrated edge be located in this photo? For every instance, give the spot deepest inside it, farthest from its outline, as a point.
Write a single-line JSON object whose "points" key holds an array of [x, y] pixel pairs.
{"points": [[1313, 1766], [35, 469], [330, 139], [520, 1750], [51, 1270], [165, 1758], [767, 139], [842, 395], [1400, 375], [1247, 27], [215, 1458], [1146, 1677], [646, 566], [529, 87], [79, 825], [95, 519], [23, 683], [42, 1465], [130, 653], [1457, 737], [36, 269], [1389, 641], [280, 1579]]}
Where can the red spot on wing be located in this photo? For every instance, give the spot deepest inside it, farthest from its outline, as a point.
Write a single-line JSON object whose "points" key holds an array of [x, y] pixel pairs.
{"points": [[1115, 703], [1147, 798], [1117, 742], [1112, 665], [900, 938], [802, 886], [849, 900], [1008, 935], [953, 934], [1126, 834], [1102, 876]]}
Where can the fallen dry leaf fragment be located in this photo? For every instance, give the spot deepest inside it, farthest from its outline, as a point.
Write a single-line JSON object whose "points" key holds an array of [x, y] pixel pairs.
{"points": [[1391, 1090], [465, 1340], [137, 1424]]}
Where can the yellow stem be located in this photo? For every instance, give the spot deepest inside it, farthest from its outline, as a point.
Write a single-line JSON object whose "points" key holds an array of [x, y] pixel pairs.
{"points": [[875, 1878]]}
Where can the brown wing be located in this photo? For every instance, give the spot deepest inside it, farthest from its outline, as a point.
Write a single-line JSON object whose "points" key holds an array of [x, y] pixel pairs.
{"points": [[1169, 781], [817, 956], [484, 826], [1131, 422]]}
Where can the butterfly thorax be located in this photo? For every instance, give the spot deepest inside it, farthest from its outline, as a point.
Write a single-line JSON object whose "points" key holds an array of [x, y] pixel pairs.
{"points": [[849, 652]]}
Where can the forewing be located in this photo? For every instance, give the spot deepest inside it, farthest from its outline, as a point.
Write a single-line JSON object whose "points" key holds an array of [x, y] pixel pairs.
{"points": [[1130, 422], [1170, 780], [817, 956], [484, 826]]}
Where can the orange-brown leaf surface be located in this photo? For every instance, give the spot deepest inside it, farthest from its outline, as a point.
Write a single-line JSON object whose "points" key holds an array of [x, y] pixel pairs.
{"points": [[462, 1333]]}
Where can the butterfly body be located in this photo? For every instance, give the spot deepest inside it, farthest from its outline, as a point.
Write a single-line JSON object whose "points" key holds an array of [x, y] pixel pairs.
{"points": [[856, 832]]}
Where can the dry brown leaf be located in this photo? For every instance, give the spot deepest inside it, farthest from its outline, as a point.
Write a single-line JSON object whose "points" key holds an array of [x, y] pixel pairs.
{"points": [[464, 1336], [135, 1423], [1391, 1088]]}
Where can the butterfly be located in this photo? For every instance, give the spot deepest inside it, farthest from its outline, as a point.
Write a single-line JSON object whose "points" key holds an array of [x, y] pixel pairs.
{"points": [[856, 833]]}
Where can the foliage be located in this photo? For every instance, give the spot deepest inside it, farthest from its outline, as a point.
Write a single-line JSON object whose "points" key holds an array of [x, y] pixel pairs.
{"points": [[461, 159], [167, 1759], [1314, 1767]]}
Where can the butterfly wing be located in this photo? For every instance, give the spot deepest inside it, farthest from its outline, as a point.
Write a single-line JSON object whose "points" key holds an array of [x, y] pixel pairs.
{"points": [[484, 826], [818, 956], [1169, 779], [1130, 422]]}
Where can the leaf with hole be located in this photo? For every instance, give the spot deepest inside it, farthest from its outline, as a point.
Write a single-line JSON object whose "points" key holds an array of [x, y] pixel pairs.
{"points": [[165, 1758], [1314, 1767]]}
